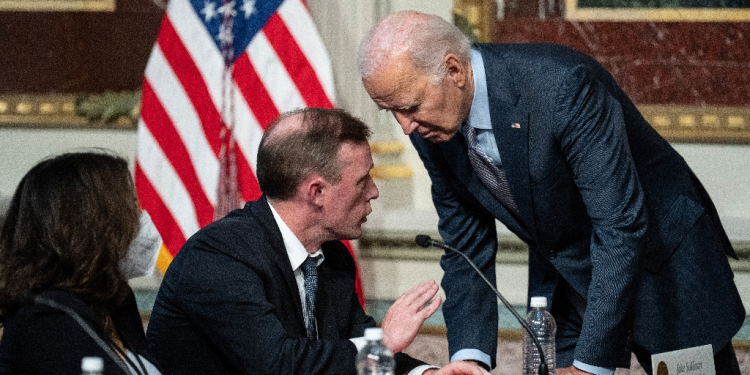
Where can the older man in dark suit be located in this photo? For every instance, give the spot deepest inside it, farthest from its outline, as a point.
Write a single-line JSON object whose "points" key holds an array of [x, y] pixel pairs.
{"points": [[269, 289], [623, 239]]}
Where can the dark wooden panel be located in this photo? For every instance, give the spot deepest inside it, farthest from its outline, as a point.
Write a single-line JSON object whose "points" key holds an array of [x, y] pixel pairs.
{"points": [[77, 52]]}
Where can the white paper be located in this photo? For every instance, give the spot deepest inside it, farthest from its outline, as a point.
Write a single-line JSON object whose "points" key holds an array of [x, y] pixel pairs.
{"points": [[698, 360]]}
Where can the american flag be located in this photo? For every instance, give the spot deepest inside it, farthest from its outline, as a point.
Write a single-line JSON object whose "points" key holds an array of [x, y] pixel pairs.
{"points": [[219, 72]]}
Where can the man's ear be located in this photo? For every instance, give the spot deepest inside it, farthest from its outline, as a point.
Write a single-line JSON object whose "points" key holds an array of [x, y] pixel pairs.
{"points": [[312, 190], [456, 71]]}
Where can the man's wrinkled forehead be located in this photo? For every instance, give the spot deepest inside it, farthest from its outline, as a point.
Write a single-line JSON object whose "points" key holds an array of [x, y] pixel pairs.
{"points": [[393, 85]]}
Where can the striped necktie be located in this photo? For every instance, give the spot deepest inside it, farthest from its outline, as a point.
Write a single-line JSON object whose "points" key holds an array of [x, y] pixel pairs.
{"points": [[492, 177], [310, 270]]}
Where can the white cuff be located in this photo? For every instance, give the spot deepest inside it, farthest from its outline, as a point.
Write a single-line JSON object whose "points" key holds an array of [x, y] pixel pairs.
{"points": [[420, 369], [359, 342], [472, 354], [596, 370]]}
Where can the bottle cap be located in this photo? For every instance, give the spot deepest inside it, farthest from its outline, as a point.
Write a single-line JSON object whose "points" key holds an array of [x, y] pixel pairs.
{"points": [[538, 302], [92, 364], [373, 334]]}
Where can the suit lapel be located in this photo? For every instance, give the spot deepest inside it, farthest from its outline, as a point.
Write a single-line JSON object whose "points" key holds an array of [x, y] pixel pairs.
{"points": [[329, 294], [262, 212], [510, 124]]}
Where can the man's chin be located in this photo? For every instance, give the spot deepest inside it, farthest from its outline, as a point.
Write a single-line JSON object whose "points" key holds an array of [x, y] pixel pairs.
{"points": [[351, 235], [440, 138]]}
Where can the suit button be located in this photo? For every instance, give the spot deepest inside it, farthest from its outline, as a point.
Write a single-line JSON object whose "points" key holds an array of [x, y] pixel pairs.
{"points": [[552, 255]]}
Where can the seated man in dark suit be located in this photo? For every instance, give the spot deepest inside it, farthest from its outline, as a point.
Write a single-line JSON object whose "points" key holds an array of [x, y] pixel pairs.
{"points": [[269, 289]]}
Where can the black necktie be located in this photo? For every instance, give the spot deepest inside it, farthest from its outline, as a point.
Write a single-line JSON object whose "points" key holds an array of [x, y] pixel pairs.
{"points": [[492, 177], [310, 270]]}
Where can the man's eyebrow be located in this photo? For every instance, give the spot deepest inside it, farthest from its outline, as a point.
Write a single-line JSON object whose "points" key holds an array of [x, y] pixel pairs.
{"points": [[399, 107], [364, 177], [407, 106]]}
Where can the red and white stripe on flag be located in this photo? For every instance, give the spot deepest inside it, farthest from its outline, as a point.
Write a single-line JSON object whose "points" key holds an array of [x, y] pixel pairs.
{"points": [[219, 73]]}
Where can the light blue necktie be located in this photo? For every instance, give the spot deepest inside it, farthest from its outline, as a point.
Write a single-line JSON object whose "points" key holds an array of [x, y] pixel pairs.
{"points": [[492, 177]]}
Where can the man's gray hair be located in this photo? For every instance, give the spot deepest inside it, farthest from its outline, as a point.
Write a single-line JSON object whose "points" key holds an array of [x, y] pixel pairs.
{"points": [[425, 38]]}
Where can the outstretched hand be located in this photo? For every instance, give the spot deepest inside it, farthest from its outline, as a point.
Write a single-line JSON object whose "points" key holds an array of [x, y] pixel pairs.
{"points": [[458, 368], [403, 319]]}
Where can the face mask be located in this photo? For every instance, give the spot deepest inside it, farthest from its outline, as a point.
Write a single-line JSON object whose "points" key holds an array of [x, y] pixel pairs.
{"points": [[141, 257]]}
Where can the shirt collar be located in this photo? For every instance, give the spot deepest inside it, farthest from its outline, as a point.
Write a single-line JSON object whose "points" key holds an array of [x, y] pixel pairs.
{"points": [[294, 248], [479, 116]]}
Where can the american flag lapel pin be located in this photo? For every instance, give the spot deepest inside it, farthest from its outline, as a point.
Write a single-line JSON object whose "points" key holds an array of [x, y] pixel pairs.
{"points": [[515, 125]]}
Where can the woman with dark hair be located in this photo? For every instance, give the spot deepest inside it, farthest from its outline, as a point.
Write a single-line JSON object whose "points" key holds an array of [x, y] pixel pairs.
{"points": [[63, 293]]}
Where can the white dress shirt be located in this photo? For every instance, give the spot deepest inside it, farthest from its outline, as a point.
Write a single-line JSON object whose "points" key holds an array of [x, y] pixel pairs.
{"points": [[297, 255]]}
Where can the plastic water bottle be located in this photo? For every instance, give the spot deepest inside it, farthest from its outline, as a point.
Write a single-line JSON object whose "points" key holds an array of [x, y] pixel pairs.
{"points": [[375, 358], [92, 366], [543, 325]]}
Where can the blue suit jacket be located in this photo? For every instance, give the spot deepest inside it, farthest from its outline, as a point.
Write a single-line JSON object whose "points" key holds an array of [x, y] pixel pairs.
{"points": [[229, 304], [605, 204]]}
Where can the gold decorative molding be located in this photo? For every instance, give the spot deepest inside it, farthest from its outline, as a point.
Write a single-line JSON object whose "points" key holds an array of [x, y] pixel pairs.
{"points": [[479, 16], [39, 111], [58, 5], [709, 124], [379, 148], [390, 172], [574, 13], [52, 111], [399, 245]]}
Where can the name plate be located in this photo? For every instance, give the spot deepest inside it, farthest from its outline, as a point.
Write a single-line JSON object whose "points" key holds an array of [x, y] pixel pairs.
{"points": [[698, 360]]}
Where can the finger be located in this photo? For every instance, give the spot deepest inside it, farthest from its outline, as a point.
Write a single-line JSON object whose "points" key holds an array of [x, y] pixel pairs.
{"points": [[476, 370], [410, 295], [431, 308], [427, 295], [464, 368], [419, 290]]}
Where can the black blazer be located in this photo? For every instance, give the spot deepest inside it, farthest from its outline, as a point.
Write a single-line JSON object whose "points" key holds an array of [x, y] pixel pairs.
{"points": [[38, 339], [229, 304], [606, 204]]}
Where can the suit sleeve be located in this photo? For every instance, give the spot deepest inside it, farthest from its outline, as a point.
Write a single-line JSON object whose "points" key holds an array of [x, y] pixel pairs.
{"points": [[227, 300], [470, 307], [594, 141]]}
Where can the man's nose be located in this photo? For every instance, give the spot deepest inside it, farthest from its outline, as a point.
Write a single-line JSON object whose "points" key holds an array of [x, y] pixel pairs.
{"points": [[408, 125], [374, 192]]}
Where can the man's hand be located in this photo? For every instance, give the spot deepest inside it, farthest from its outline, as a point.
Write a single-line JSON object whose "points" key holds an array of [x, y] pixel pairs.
{"points": [[403, 319], [572, 370], [458, 368]]}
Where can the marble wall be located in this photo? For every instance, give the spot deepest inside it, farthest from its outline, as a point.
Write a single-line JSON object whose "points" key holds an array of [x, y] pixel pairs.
{"points": [[683, 63]]}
